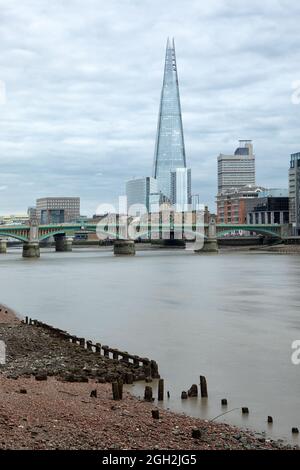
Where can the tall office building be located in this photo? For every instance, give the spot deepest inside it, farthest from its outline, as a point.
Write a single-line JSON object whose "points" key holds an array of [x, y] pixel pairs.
{"points": [[55, 210], [294, 192], [181, 188], [238, 170], [169, 148], [139, 192]]}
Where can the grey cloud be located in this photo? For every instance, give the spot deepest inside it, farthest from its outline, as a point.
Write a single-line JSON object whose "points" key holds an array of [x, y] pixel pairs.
{"points": [[83, 83]]}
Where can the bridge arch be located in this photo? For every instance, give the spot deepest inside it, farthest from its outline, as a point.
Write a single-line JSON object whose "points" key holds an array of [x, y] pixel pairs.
{"points": [[21, 238], [258, 231], [52, 234]]}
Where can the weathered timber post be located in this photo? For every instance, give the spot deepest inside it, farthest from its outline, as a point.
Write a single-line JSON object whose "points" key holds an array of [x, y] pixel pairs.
{"points": [[154, 370], [146, 367], [148, 396], [120, 385], [125, 356], [193, 391], [82, 342], [89, 345], [105, 351], [136, 360], [160, 389], [26, 320], [115, 390], [203, 386], [155, 414], [116, 355], [98, 348], [129, 378]]}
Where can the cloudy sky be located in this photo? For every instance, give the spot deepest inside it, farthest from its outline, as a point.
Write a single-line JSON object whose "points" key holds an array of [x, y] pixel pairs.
{"points": [[83, 82]]}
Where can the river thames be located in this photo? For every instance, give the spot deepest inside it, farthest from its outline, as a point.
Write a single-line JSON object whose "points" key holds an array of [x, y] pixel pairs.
{"points": [[231, 317]]}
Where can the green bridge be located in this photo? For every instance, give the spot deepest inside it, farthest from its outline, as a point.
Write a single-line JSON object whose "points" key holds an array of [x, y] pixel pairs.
{"points": [[63, 234], [22, 232]]}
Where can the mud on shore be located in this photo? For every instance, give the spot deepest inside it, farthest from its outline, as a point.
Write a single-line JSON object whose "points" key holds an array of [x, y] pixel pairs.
{"points": [[46, 402]]}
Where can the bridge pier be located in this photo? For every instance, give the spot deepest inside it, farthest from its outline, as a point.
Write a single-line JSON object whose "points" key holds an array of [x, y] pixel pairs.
{"points": [[63, 243], [31, 249], [210, 244], [124, 247], [3, 246]]}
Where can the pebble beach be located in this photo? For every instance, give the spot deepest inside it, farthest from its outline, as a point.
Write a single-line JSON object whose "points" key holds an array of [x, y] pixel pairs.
{"points": [[42, 408]]}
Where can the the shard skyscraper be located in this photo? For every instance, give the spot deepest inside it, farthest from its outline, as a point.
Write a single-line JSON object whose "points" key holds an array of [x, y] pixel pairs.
{"points": [[169, 148]]}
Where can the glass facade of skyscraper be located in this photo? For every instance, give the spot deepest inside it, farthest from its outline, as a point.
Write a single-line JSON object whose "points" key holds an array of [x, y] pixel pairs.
{"points": [[169, 148]]}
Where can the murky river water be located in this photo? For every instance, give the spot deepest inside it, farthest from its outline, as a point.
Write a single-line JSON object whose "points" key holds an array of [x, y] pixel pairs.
{"points": [[230, 317]]}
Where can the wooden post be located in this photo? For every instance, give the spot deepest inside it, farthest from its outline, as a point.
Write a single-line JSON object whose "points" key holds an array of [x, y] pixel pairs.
{"points": [[203, 386], [98, 348], [26, 320], [125, 357], [82, 342], [115, 391], [136, 360], [270, 419], [154, 370], [224, 401], [129, 378], [155, 414], [148, 393], [120, 385], [245, 410], [116, 355], [105, 351], [160, 389], [89, 345]]}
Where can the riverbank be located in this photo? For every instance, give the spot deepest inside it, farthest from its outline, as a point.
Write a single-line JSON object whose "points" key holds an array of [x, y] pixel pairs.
{"points": [[41, 409]]}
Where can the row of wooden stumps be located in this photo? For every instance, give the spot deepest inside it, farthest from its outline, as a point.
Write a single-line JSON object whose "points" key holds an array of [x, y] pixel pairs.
{"points": [[117, 392], [193, 392]]}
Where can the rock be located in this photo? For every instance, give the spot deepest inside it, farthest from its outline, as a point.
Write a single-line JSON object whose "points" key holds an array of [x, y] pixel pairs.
{"points": [[41, 376], [184, 395], [23, 390], [224, 402], [196, 433], [94, 393], [245, 410], [193, 391], [155, 414], [295, 430]]}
